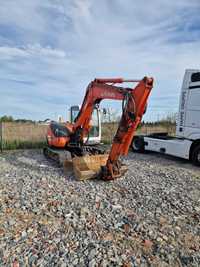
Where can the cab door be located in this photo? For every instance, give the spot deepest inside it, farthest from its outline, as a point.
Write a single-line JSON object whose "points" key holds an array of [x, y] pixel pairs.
{"points": [[193, 103]]}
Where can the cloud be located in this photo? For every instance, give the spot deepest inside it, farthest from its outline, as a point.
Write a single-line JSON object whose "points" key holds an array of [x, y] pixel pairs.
{"points": [[7, 52], [50, 50]]}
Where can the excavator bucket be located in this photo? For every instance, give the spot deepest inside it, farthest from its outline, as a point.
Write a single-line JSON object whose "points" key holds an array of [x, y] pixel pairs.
{"points": [[88, 167], [93, 166]]}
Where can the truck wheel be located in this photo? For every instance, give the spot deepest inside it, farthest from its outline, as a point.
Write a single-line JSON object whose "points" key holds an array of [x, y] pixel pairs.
{"points": [[138, 144], [196, 156]]}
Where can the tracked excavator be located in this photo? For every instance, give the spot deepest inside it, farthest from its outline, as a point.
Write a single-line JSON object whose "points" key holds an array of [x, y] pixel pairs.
{"points": [[70, 137]]}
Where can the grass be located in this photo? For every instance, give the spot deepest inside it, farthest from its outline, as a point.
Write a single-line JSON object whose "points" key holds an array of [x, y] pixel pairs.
{"points": [[12, 145]]}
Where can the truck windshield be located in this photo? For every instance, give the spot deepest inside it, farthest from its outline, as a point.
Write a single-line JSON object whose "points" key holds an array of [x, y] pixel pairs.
{"points": [[195, 77]]}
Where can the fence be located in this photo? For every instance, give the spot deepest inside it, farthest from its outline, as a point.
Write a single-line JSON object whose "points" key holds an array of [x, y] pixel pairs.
{"points": [[148, 129], [15, 135]]}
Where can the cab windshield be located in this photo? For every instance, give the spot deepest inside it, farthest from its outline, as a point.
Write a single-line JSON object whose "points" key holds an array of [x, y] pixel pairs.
{"points": [[94, 131]]}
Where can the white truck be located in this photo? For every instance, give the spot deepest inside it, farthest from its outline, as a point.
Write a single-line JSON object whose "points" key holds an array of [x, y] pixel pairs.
{"points": [[186, 143]]}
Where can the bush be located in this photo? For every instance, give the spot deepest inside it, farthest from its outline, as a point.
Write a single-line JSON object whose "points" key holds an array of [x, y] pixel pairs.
{"points": [[6, 119]]}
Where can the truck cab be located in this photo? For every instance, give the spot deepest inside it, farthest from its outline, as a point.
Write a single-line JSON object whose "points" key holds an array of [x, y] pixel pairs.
{"points": [[186, 143], [95, 131], [188, 122]]}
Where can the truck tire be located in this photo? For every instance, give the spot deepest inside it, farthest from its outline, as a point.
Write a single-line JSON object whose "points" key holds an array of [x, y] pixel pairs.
{"points": [[138, 144], [196, 155]]}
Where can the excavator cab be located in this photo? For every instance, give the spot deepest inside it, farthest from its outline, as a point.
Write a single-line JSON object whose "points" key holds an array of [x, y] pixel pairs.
{"points": [[95, 131]]}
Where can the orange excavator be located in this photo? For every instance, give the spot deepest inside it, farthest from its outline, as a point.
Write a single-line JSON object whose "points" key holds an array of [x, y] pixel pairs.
{"points": [[70, 136]]}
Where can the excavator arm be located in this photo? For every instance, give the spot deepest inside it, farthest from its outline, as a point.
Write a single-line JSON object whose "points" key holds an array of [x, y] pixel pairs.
{"points": [[133, 109]]}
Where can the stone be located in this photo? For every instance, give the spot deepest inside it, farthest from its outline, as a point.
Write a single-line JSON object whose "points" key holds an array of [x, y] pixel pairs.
{"points": [[164, 237], [92, 254], [148, 244], [75, 262], [197, 209], [116, 207], [24, 234], [159, 239], [12, 222], [92, 263]]}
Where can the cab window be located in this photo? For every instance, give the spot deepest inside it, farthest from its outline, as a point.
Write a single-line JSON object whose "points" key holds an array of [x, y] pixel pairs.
{"points": [[195, 77], [74, 113], [94, 131]]}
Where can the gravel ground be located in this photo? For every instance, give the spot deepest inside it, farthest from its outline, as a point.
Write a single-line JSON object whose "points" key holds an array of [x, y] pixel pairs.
{"points": [[149, 217]]}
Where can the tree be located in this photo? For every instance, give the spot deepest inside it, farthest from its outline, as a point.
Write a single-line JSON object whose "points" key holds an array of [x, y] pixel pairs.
{"points": [[6, 118]]}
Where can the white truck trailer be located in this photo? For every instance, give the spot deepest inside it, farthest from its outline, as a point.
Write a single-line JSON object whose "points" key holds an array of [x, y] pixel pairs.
{"points": [[186, 143]]}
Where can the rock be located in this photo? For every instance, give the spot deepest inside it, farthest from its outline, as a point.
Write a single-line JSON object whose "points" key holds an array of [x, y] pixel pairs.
{"points": [[177, 228], [86, 252], [126, 228], [163, 220], [84, 211], [116, 207], [75, 262], [127, 264], [104, 263], [164, 237], [197, 209], [108, 237], [92, 263], [24, 234], [15, 263], [92, 254], [148, 244], [123, 257], [12, 222], [159, 240]]}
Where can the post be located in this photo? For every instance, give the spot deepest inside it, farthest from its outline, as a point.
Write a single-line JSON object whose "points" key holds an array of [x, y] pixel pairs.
{"points": [[1, 135]]}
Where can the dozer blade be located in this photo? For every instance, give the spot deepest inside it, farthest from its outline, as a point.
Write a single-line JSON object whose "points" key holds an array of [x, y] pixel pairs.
{"points": [[88, 167]]}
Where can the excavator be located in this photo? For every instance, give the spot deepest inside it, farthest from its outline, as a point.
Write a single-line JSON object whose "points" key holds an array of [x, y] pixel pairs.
{"points": [[71, 137]]}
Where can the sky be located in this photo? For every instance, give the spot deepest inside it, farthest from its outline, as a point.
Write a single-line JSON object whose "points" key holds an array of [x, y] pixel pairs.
{"points": [[51, 49]]}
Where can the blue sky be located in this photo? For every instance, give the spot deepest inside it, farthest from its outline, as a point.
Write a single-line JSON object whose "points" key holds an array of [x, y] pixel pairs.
{"points": [[51, 49]]}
